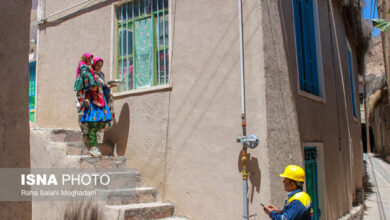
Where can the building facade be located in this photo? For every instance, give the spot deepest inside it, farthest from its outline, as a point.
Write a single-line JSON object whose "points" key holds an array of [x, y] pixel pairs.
{"points": [[14, 126], [178, 115]]}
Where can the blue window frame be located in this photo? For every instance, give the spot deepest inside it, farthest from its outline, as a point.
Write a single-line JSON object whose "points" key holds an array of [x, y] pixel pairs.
{"points": [[352, 81], [306, 45]]}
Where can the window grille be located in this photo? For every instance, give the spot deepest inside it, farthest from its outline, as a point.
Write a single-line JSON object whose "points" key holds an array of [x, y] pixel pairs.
{"points": [[310, 153], [142, 44]]}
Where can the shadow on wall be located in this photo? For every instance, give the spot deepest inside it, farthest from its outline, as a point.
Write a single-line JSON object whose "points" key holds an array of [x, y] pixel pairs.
{"points": [[254, 173], [119, 132]]}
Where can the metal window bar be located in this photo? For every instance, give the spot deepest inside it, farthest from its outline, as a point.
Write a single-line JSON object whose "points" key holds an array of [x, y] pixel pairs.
{"points": [[152, 26], [132, 47], [127, 48], [158, 44], [165, 76], [126, 57], [122, 45]]}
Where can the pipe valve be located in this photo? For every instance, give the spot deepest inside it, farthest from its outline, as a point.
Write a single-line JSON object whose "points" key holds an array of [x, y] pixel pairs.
{"points": [[251, 141]]}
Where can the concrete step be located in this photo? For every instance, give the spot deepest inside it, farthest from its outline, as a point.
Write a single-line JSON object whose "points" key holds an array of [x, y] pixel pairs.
{"points": [[105, 162], [78, 148], [144, 211], [174, 218], [130, 196], [123, 179], [62, 135]]}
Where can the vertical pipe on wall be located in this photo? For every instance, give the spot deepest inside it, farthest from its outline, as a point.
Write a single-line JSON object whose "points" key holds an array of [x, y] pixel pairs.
{"points": [[243, 114], [241, 60], [40, 15], [244, 184]]}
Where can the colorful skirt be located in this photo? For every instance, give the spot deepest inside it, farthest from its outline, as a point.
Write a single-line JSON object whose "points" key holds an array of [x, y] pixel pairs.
{"points": [[96, 114]]}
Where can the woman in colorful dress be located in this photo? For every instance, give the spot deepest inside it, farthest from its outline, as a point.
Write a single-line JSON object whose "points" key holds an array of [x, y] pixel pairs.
{"points": [[97, 66], [94, 114]]}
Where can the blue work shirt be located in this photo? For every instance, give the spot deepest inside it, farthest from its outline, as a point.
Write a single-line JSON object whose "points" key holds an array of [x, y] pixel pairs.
{"points": [[297, 207]]}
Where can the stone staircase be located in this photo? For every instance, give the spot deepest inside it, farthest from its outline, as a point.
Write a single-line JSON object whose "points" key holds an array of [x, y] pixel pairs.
{"points": [[125, 197]]}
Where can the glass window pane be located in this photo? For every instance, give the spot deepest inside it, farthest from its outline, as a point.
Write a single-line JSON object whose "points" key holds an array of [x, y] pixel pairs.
{"points": [[135, 8], [148, 6], [163, 31], [118, 13], [163, 57], [125, 75], [129, 78], [162, 4], [126, 42]]}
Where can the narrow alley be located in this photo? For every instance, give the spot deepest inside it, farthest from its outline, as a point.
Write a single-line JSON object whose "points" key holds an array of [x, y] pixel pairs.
{"points": [[378, 202]]}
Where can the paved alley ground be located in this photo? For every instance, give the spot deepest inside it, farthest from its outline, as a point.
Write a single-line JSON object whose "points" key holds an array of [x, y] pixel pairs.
{"points": [[378, 202]]}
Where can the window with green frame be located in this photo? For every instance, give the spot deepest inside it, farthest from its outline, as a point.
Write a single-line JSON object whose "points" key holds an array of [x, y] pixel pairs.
{"points": [[142, 44]]}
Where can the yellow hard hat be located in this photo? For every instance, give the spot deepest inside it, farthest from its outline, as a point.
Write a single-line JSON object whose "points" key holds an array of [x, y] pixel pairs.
{"points": [[294, 172]]}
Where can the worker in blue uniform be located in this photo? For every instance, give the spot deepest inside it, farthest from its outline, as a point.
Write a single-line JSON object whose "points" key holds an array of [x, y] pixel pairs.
{"points": [[298, 204]]}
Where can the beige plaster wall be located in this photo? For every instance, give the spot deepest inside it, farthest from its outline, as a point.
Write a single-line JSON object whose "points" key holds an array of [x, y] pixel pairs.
{"points": [[14, 125], [183, 138], [62, 40], [381, 128], [282, 124], [202, 160], [325, 121]]}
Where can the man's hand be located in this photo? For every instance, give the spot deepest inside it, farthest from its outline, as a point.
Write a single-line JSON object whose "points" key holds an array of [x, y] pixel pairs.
{"points": [[268, 209]]}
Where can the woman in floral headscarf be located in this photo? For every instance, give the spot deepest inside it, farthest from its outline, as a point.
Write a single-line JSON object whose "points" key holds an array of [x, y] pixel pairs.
{"points": [[97, 65], [92, 108]]}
